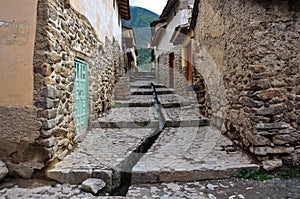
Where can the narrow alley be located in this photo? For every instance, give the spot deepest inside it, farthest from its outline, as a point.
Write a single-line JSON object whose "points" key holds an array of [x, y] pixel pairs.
{"points": [[136, 157], [150, 99]]}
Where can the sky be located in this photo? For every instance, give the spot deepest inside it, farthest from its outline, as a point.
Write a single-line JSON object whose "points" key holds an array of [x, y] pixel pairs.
{"points": [[155, 6]]}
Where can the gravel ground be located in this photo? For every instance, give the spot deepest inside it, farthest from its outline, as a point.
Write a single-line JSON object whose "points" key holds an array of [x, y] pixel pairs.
{"points": [[234, 188]]}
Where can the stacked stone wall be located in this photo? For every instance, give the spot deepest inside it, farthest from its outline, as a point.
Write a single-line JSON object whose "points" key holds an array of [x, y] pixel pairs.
{"points": [[249, 52], [63, 35], [162, 69], [201, 92]]}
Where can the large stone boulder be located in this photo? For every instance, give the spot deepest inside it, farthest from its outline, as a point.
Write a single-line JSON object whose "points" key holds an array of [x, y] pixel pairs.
{"points": [[3, 170], [93, 185]]}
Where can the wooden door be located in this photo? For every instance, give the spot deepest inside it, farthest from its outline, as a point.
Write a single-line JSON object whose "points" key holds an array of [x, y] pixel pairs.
{"points": [[189, 64], [171, 70]]}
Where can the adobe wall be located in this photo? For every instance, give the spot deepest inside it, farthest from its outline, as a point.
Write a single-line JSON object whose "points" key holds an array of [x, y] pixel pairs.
{"points": [[17, 33], [19, 127], [248, 51]]}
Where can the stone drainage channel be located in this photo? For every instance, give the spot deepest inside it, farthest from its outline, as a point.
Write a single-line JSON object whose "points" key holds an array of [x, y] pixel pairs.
{"points": [[142, 149]]}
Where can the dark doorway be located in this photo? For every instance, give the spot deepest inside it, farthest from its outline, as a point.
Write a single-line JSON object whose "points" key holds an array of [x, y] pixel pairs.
{"points": [[189, 64], [171, 70]]}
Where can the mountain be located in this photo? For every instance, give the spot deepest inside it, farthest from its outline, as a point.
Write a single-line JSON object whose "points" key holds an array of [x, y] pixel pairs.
{"points": [[140, 22]]}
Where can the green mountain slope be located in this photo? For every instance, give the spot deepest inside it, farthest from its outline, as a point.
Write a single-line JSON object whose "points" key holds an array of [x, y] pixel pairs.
{"points": [[140, 22]]}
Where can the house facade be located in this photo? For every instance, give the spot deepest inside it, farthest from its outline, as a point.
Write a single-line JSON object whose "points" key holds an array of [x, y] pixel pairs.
{"points": [[60, 60], [172, 41], [129, 44]]}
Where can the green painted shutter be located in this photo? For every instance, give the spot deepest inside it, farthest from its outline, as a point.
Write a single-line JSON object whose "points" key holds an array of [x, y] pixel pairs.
{"points": [[81, 95]]}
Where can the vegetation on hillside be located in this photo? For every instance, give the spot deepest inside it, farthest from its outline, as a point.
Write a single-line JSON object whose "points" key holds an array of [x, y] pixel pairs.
{"points": [[140, 22]]}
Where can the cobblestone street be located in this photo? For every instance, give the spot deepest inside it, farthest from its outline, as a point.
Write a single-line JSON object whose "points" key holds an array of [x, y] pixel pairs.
{"points": [[187, 151], [234, 188], [139, 99]]}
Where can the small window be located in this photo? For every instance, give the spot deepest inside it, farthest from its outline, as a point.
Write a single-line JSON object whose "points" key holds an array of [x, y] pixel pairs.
{"points": [[114, 4]]}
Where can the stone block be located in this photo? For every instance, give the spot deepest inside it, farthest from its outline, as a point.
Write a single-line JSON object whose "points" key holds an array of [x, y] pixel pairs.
{"points": [[63, 154], [57, 132], [270, 165], [49, 142], [50, 92], [49, 124], [3, 170], [93, 185], [271, 150], [257, 68], [267, 94], [259, 84], [44, 103], [260, 119], [269, 126], [263, 75], [54, 58], [63, 142], [287, 138], [289, 106], [106, 176], [247, 101], [43, 69], [48, 113], [272, 110], [258, 140], [72, 176]]}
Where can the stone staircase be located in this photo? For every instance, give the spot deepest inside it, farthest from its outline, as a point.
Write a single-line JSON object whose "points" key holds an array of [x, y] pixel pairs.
{"points": [[128, 145]]}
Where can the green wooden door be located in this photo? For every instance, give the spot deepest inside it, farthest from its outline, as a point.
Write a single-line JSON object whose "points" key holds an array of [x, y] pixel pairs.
{"points": [[81, 96]]}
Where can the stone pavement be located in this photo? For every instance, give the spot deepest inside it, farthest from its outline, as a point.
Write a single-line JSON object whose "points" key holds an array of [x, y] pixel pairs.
{"points": [[118, 140], [128, 117], [233, 188], [187, 154], [59, 191], [104, 154]]}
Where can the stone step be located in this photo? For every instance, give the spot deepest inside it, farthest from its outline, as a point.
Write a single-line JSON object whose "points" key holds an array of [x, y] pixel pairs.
{"points": [[144, 76], [144, 73], [104, 154], [190, 154], [146, 91], [166, 100], [137, 117], [128, 117], [145, 84], [149, 79], [188, 116]]}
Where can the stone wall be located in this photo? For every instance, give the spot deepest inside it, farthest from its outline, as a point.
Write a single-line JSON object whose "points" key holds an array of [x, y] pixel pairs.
{"points": [[201, 92], [63, 35], [162, 69], [248, 51], [18, 147]]}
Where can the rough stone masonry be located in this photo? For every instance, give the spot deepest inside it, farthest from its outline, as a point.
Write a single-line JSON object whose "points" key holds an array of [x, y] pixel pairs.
{"points": [[63, 35], [252, 49], [46, 132]]}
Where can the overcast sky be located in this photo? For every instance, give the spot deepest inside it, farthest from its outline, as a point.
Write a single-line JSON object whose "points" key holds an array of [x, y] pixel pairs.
{"points": [[154, 5]]}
